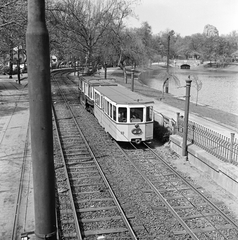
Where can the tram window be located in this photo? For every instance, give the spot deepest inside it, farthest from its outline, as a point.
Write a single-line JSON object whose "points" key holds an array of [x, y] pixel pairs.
{"points": [[97, 99], [114, 113], [107, 108], [102, 101], [122, 114], [101, 98], [96, 96], [149, 113], [110, 110], [136, 114], [90, 91], [86, 89]]}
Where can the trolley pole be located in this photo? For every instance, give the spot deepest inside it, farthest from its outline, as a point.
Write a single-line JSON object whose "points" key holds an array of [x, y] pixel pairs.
{"points": [[185, 133], [38, 61]]}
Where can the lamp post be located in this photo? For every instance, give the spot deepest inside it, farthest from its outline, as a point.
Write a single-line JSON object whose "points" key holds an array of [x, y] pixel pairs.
{"points": [[132, 79], [186, 114], [171, 33]]}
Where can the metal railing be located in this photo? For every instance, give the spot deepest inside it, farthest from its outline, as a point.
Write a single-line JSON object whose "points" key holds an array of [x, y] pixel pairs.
{"points": [[214, 143]]}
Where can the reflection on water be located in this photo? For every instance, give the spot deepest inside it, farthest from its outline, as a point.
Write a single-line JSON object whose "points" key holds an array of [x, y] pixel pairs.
{"points": [[219, 88]]}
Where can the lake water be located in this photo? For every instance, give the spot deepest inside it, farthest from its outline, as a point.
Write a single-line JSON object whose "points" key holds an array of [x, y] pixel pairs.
{"points": [[219, 88]]}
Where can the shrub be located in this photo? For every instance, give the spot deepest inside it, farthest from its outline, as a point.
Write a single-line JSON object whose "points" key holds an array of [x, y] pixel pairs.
{"points": [[161, 133]]}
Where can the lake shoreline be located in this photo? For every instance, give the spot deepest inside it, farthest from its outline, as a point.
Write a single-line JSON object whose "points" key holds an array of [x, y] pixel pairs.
{"points": [[221, 117], [218, 88]]}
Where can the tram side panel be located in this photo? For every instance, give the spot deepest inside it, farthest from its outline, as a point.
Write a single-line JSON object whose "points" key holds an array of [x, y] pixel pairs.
{"points": [[124, 132], [110, 126], [149, 131]]}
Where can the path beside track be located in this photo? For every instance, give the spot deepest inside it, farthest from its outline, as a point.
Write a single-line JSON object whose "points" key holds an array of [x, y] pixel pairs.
{"points": [[14, 121]]}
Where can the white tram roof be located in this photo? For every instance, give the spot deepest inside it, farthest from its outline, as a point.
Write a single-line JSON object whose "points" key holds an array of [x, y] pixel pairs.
{"points": [[122, 95], [100, 82]]}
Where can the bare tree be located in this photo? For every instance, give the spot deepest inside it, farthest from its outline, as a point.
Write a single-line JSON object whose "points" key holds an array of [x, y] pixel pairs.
{"points": [[88, 24], [198, 85], [13, 20]]}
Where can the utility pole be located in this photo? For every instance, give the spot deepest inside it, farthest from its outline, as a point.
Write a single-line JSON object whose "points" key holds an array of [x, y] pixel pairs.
{"points": [[186, 114], [105, 73], [38, 63], [132, 79], [171, 33]]}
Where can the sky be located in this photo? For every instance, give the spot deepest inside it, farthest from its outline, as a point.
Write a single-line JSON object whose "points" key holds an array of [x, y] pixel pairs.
{"points": [[186, 17]]}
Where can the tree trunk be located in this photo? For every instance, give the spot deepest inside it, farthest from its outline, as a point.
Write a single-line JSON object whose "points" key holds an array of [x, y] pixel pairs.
{"points": [[125, 74], [18, 67], [18, 70], [11, 61]]}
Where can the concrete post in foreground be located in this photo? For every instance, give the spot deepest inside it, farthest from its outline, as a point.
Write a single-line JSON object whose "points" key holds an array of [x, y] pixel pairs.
{"points": [[38, 63], [186, 113]]}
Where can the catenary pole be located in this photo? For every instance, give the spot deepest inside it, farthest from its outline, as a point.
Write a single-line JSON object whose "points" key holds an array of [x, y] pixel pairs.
{"points": [[186, 114], [38, 63], [167, 68], [132, 79]]}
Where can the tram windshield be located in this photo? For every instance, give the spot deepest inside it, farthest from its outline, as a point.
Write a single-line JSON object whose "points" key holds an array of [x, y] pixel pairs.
{"points": [[136, 114], [122, 114]]}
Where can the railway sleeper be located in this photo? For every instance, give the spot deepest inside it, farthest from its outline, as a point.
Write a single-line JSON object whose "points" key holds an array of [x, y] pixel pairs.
{"points": [[110, 231], [90, 220], [96, 209], [181, 207], [202, 230]]}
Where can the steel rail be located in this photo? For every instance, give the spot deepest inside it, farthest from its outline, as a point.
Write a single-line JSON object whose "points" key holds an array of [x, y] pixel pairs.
{"points": [[198, 192], [20, 188], [78, 231], [174, 213], [131, 231]]}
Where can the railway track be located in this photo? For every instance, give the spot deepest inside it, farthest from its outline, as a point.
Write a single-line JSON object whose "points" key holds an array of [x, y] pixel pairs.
{"points": [[158, 201], [199, 216], [88, 207]]}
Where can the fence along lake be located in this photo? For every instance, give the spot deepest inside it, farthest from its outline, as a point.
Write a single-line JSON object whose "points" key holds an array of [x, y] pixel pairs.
{"points": [[219, 87]]}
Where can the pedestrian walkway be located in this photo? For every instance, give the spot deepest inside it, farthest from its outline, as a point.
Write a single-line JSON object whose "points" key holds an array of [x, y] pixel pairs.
{"points": [[15, 162], [171, 112]]}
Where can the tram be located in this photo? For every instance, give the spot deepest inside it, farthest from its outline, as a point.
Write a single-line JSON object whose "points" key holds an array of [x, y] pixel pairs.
{"points": [[86, 90], [127, 116]]}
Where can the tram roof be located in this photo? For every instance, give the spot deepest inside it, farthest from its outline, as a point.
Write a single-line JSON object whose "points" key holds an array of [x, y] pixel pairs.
{"points": [[100, 82], [122, 95]]}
